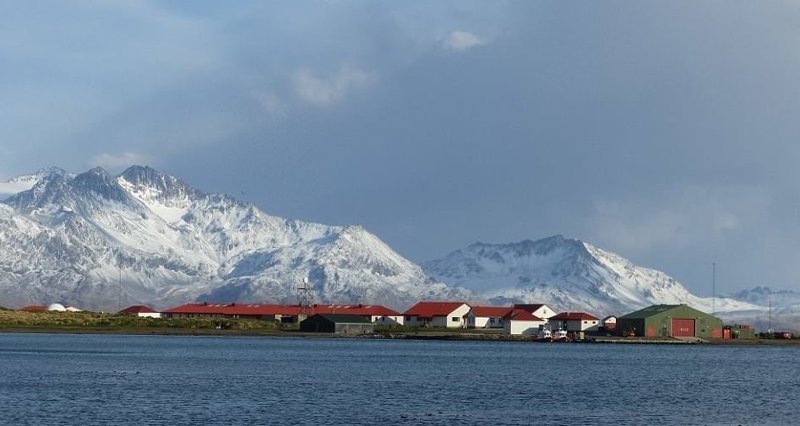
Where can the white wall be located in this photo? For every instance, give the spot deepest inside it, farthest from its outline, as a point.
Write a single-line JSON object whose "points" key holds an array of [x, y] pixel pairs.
{"points": [[483, 322], [149, 314], [544, 312], [585, 325], [456, 318], [528, 328]]}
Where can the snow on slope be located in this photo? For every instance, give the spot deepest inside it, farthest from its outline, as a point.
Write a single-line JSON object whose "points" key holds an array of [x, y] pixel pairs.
{"points": [[26, 182], [568, 274], [102, 241]]}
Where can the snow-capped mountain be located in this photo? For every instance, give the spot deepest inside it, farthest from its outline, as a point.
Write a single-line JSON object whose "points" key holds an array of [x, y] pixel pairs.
{"points": [[100, 241], [26, 182], [567, 274]]}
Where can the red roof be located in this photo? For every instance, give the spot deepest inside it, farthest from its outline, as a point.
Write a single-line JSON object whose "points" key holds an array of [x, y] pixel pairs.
{"points": [[490, 311], [33, 308], [254, 309], [521, 315], [574, 316], [260, 309], [138, 309], [372, 310], [432, 309]]}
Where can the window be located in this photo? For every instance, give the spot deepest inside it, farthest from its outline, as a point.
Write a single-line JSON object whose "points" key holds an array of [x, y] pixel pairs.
{"points": [[454, 319]]}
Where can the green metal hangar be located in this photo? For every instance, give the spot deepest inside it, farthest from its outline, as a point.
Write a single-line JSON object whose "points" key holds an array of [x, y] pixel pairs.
{"points": [[670, 321]]}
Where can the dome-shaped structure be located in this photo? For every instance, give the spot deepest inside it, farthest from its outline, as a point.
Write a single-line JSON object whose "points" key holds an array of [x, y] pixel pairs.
{"points": [[56, 307]]}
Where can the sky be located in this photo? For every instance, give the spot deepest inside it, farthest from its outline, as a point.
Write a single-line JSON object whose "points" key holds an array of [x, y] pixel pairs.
{"points": [[666, 132]]}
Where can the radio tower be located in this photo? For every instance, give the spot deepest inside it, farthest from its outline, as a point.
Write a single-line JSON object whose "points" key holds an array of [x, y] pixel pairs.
{"points": [[305, 297], [713, 288]]}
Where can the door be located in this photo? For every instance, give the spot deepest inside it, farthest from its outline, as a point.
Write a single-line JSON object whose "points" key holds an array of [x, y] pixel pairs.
{"points": [[682, 327]]}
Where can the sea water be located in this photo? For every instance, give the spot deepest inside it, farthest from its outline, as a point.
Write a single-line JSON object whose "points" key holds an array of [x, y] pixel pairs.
{"points": [[113, 379]]}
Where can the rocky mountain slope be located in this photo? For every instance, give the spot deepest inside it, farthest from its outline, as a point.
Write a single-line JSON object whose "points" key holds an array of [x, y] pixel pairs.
{"points": [[568, 274], [100, 241]]}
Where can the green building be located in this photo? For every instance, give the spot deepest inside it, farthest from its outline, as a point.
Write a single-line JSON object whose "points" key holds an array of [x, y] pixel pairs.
{"points": [[670, 321]]}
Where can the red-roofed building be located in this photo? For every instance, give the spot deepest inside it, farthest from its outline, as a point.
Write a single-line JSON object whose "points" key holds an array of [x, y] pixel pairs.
{"points": [[436, 314], [33, 308], [283, 313], [140, 311], [487, 316], [609, 323], [539, 310], [235, 311], [574, 322], [522, 322]]}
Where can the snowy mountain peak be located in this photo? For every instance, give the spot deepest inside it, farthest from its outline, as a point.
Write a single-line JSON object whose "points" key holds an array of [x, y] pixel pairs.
{"points": [[151, 184], [96, 240], [21, 183], [99, 182], [568, 274]]}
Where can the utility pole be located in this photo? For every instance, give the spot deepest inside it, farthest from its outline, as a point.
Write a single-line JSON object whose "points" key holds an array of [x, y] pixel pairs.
{"points": [[305, 298], [713, 288], [769, 329], [119, 289]]}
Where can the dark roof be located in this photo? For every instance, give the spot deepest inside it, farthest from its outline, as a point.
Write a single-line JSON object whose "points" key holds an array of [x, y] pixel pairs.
{"points": [[342, 318], [530, 307], [574, 316], [521, 315], [649, 311], [136, 309]]}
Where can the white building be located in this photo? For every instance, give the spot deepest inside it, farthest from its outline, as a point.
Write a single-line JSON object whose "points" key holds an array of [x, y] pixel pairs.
{"points": [[522, 322], [538, 310], [574, 322], [437, 314], [140, 311], [487, 316]]}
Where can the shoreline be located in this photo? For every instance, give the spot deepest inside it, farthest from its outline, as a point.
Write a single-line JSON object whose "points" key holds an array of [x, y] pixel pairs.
{"points": [[404, 335]]}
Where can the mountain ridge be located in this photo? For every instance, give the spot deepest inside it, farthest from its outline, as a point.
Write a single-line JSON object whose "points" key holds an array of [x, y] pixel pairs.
{"points": [[143, 236], [147, 237], [569, 273]]}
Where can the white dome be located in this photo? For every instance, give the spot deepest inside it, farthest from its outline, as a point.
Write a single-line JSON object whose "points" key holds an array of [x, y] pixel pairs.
{"points": [[57, 307]]}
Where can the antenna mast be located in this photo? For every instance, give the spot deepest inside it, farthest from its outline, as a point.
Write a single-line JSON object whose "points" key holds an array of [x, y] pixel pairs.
{"points": [[713, 288], [305, 297], [769, 330], [119, 289]]}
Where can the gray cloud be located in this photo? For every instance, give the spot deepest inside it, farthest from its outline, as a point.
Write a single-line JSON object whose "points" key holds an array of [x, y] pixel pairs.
{"points": [[665, 132]]}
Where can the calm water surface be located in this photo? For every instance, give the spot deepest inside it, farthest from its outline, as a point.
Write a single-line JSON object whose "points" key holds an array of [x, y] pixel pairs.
{"points": [[102, 379]]}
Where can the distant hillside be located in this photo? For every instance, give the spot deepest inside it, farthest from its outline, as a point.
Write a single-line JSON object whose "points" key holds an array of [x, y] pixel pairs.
{"points": [[568, 274]]}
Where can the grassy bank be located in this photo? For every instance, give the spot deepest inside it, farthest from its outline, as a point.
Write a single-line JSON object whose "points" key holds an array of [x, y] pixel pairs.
{"points": [[92, 321]]}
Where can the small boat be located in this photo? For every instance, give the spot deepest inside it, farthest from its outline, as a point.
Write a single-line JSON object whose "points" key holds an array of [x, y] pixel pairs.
{"points": [[545, 335], [560, 336]]}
